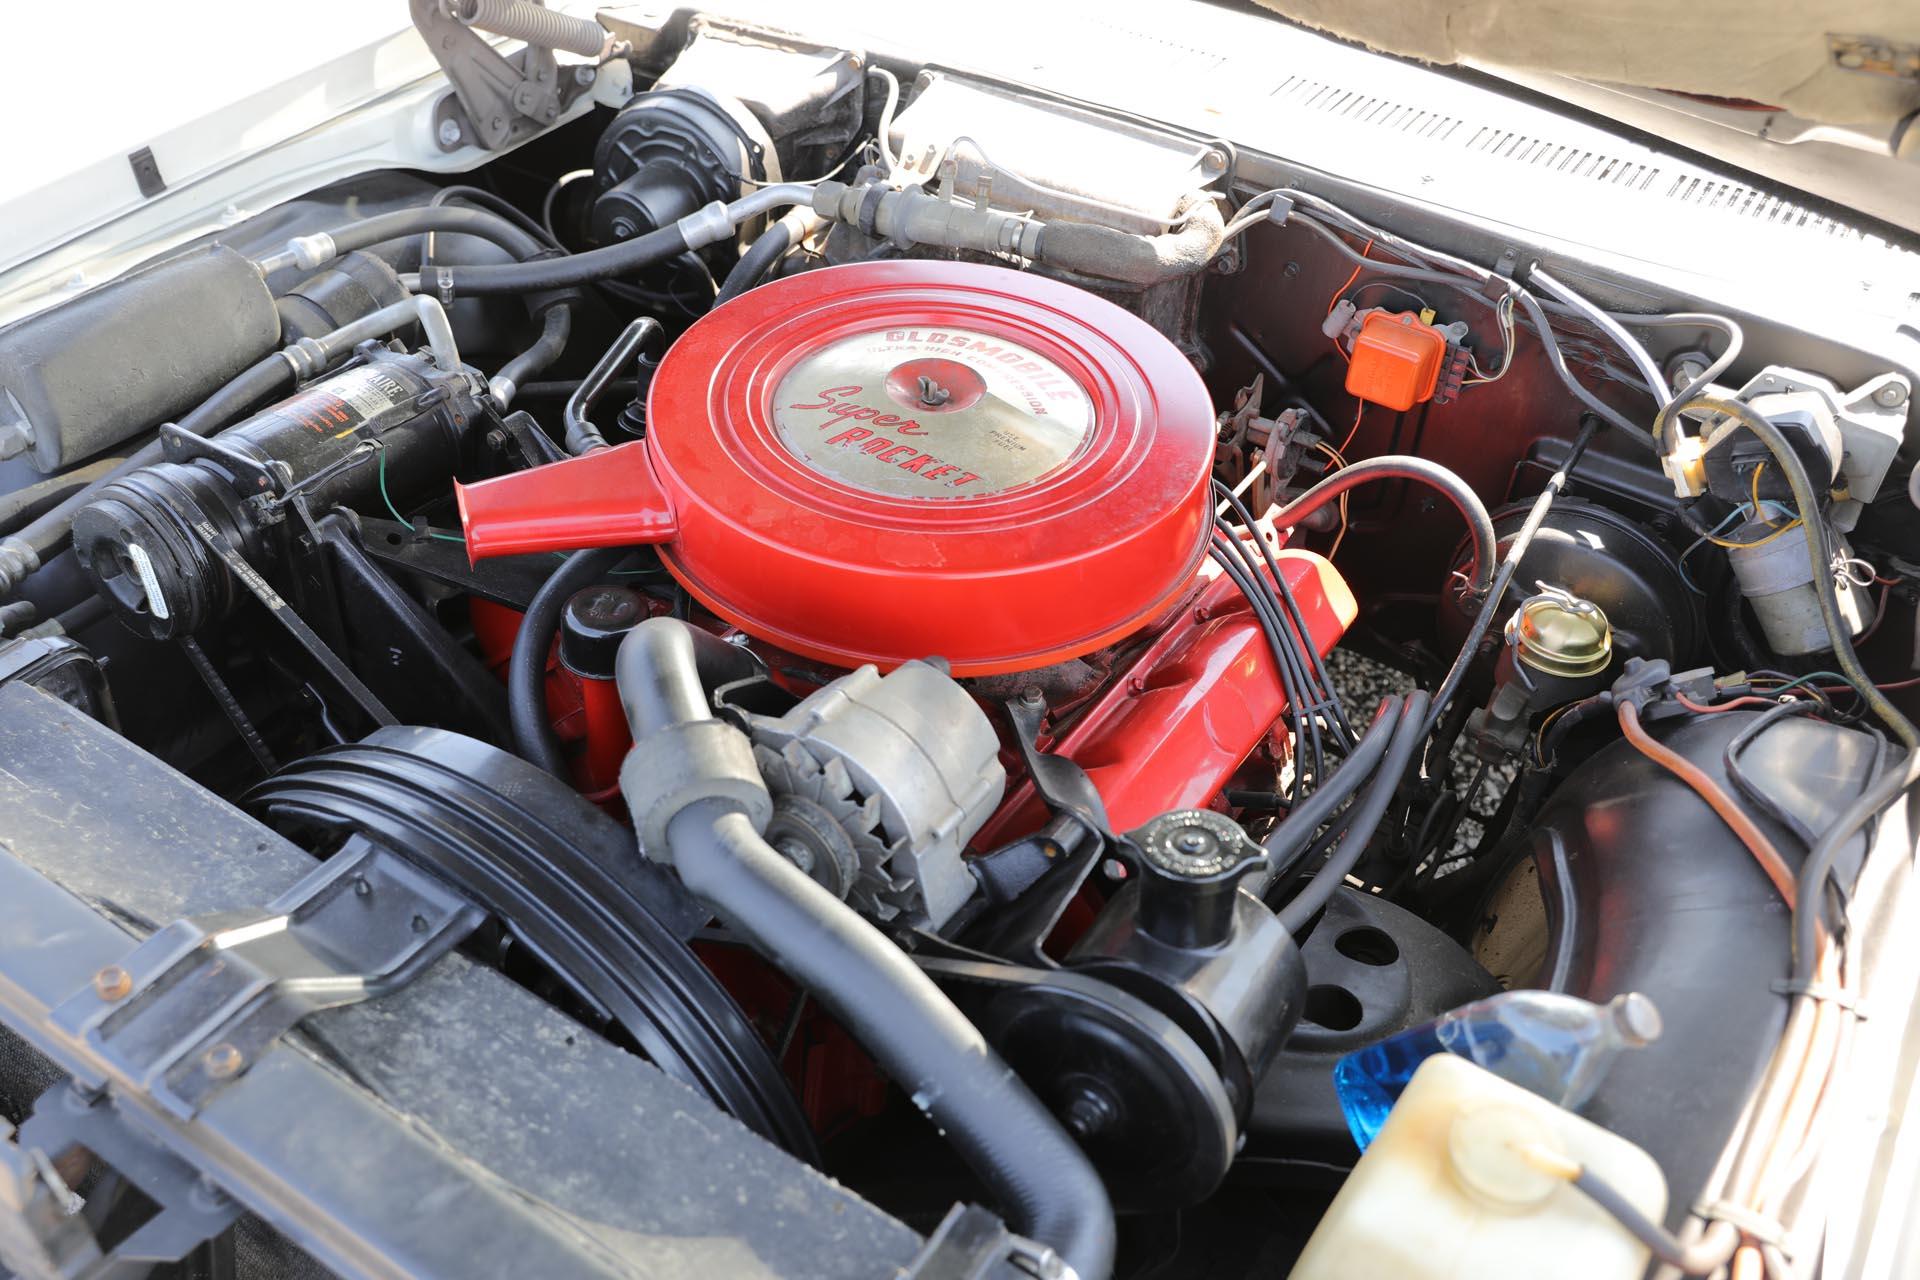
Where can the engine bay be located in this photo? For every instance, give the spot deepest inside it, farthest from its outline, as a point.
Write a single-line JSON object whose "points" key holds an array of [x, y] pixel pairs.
{"points": [[976, 686]]}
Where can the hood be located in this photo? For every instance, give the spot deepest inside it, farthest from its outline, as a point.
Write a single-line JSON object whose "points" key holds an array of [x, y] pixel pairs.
{"points": [[1821, 96]]}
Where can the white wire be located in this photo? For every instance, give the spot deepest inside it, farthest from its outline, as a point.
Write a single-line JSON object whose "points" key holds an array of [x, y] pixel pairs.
{"points": [[886, 117]]}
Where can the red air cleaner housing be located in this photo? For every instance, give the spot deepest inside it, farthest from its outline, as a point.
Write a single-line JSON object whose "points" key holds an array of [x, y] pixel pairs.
{"points": [[890, 460]]}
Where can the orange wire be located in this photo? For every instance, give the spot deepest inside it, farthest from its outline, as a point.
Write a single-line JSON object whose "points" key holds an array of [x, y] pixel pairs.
{"points": [[1716, 797], [1707, 710], [1335, 299], [1359, 408]]}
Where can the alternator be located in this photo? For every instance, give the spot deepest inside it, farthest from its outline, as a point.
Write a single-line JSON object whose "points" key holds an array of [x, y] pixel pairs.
{"points": [[879, 782]]}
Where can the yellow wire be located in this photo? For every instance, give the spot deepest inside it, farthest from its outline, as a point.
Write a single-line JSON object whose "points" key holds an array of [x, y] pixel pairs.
{"points": [[1757, 542], [1757, 511], [1339, 462], [1540, 736]]}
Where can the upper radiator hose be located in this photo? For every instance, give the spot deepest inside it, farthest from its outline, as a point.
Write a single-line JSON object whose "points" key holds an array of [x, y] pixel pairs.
{"points": [[697, 797]]}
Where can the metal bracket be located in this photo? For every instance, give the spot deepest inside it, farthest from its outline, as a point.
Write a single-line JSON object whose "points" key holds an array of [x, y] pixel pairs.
{"points": [[55, 1234], [972, 1243], [249, 577], [196, 1004], [1032, 881], [252, 477], [503, 99]]}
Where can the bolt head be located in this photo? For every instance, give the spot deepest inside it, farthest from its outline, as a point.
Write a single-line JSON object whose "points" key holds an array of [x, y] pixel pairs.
{"points": [[1089, 1112], [583, 75], [222, 1061], [449, 133], [112, 983], [1891, 396]]}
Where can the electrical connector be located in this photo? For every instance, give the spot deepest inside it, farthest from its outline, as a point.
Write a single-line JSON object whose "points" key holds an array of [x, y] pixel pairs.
{"points": [[1686, 465]]}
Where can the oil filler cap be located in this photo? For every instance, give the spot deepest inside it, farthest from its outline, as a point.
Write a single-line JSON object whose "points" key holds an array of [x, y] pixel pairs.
{"points": [[882, 461]]}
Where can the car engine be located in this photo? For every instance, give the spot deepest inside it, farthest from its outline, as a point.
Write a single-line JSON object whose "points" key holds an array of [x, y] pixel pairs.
{"points": [[825, 666]]}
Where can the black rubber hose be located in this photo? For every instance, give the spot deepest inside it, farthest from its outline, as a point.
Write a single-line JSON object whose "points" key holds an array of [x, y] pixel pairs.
{"points": [[620, 259], [581, 435], [1369, 808], [48, 532], [707, 226], [759, 259], [556, 326], [1810, 888], [664, 672], [533, 736], [1043, 1181], [1757, 795], [1391, 466], [19, 508], [1307, 817], [401, 223]]}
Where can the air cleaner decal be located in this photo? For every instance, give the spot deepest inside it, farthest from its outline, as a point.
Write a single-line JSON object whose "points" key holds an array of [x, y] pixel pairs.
{"points": [[944, 413]]}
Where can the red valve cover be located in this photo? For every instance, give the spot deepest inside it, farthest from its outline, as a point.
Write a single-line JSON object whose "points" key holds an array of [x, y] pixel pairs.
{"points": [[891, 460]]}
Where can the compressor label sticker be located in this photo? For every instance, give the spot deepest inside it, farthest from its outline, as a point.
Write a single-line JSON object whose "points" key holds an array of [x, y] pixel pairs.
{"points": [[149, 580], [346, 401], [934, 413]]}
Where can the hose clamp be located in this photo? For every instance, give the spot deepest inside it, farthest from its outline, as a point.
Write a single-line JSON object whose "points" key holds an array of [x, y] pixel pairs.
{"points": [[441, 280], [1839, 997], [869, 212]]}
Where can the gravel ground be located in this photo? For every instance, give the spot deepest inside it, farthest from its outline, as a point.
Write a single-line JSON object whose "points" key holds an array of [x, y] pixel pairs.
{"points": [[1362, 682]]}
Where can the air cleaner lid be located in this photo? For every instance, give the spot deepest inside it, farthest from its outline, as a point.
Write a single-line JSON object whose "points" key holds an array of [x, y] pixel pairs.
{"points": [[893, 460]]}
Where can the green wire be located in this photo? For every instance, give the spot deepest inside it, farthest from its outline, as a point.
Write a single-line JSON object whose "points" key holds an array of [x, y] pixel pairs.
{"points": [[384, 497], [454, 537], [1810, 676]]}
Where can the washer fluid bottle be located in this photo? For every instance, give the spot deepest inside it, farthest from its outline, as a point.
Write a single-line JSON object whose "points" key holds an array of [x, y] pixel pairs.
{"points": [[1556, 1046]]}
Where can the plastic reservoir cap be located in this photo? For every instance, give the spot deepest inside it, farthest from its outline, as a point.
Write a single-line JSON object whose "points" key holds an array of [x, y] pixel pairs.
{"points": [[1636, 1018], [1484, 1151]]}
